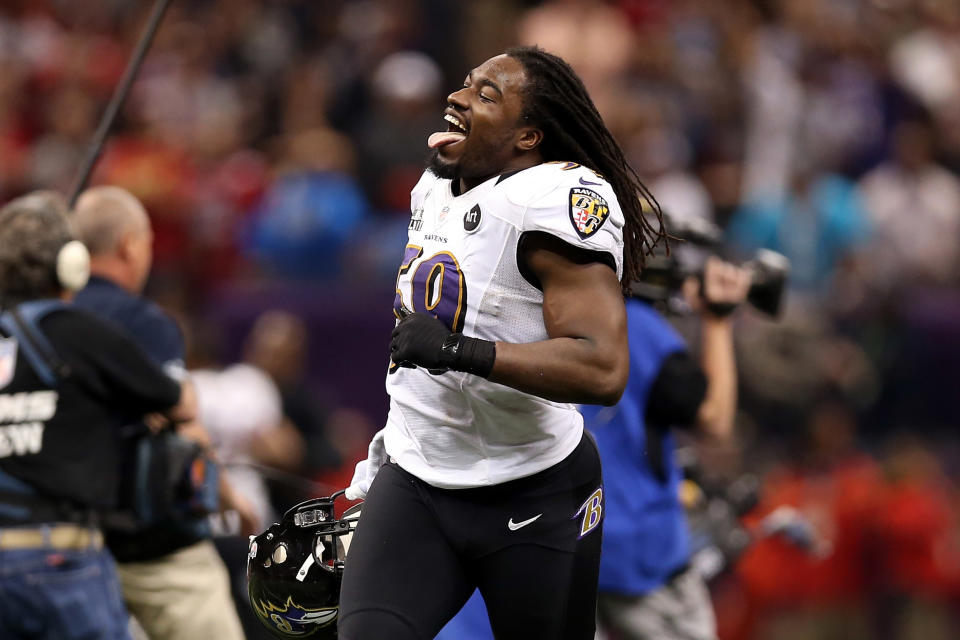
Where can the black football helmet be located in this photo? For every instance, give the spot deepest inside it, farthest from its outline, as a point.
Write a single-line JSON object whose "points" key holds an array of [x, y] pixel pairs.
{"points": [[294, 569]]}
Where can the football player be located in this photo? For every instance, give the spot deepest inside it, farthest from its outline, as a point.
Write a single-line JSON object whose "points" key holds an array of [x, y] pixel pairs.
{"points": [[509, 301]]}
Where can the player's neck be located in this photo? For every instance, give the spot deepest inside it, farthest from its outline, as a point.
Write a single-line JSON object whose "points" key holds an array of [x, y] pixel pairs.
{"points": [[519, 163]]}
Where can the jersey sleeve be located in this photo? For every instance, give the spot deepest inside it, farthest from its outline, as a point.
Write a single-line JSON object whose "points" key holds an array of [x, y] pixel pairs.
{"points": [[578, 207], [110, 363]]}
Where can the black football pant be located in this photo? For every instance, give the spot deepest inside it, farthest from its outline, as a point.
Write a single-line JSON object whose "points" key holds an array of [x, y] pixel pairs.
{"points": [[532, 547]]}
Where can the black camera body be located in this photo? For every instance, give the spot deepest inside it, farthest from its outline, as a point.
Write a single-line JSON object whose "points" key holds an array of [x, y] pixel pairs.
{"points": [[663, 275]]}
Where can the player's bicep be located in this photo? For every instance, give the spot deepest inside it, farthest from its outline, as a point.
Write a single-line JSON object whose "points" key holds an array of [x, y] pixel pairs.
{"points": [[582, 298], [585, 358]]}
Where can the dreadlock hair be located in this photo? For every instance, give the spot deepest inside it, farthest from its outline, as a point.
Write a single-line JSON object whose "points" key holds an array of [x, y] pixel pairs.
{"points": [[556, 101]]}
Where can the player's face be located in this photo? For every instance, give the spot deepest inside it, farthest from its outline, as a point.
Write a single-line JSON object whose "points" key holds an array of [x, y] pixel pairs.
{"points": [[484, 136]]}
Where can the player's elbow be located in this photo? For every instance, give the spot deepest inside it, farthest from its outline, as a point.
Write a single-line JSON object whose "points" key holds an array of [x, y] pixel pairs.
{"points": [[611, 393], [611, 381]]}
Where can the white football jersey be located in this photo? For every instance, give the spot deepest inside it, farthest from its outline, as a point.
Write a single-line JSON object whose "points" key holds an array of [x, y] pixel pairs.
{"points": [[457, 430]]}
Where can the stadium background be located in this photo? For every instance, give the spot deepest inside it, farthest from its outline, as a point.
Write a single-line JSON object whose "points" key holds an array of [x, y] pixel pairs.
{"points": [[274, 144]]}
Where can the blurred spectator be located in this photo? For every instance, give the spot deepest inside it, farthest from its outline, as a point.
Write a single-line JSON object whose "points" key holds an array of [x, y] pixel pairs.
{"points": [[914, 209], [392, 142], [56, 157], [308, 90], [787, 365], [661, 153], [311, 209], [14, 134], [392, 138], [818, 224], [277, 345], [926, 61], [241, 408], [774, 96], [798, 594], [591, 35], [158, 175], [180, 98], [917, 549], [227, 186]]}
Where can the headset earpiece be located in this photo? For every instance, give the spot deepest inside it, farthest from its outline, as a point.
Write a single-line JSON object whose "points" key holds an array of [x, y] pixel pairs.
{"points": [[73, 265]]}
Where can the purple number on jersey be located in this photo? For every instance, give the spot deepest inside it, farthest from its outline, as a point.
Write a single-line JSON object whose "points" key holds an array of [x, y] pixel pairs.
{"points": [[410, 253], [437, 287]]}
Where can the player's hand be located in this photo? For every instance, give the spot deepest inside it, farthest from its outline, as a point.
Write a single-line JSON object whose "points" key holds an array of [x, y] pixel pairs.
{"points": [[417, 340]]}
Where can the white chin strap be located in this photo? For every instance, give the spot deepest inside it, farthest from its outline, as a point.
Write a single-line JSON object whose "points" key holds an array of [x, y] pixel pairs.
{"points": [[307, 563], [73, 265]]}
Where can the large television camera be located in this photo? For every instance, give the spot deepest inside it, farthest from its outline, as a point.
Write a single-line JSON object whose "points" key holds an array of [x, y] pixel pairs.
{"points": [[663, 276]]}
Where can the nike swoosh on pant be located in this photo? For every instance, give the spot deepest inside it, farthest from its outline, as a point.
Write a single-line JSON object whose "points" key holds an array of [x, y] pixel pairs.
{"points": [[513, 526]]}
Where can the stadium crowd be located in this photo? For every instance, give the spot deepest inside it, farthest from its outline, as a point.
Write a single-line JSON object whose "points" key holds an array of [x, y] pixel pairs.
{"points": [[275, 142]]}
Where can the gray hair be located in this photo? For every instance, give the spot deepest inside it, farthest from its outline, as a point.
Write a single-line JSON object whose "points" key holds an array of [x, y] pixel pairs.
{"points": [[33, 229]]}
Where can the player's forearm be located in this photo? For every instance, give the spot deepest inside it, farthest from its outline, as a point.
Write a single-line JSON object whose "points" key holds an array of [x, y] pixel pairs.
{"points": [[717, 411], [574, 370]]}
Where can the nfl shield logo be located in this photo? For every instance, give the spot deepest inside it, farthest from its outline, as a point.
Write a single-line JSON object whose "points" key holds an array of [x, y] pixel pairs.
{"points": [[8, 360]]}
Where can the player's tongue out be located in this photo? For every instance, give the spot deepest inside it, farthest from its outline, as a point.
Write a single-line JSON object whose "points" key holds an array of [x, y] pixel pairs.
{"points": [[456, 131], [443, 138]]}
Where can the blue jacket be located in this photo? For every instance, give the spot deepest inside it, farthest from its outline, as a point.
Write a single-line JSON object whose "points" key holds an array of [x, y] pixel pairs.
{"points": [[645, 536]]}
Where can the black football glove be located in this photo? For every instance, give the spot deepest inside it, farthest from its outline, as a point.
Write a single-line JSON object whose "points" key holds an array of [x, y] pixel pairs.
{"points": [[417, 340], [420, 340]]}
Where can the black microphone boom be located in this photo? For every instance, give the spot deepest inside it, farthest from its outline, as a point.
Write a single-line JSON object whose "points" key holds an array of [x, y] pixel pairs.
{"points": [[119, 95]]}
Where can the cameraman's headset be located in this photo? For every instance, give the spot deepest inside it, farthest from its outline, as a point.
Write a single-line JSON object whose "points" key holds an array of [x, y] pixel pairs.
{"points": [[71, 268]]}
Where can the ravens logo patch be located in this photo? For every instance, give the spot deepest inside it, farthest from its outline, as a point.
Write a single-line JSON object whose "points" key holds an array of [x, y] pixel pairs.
{"points": [[290, 619], [588, 211]]}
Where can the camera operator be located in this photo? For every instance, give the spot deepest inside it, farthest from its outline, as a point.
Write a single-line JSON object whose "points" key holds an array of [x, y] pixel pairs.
{"points": [[647, 587], [174, 582], [67, 382]]}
